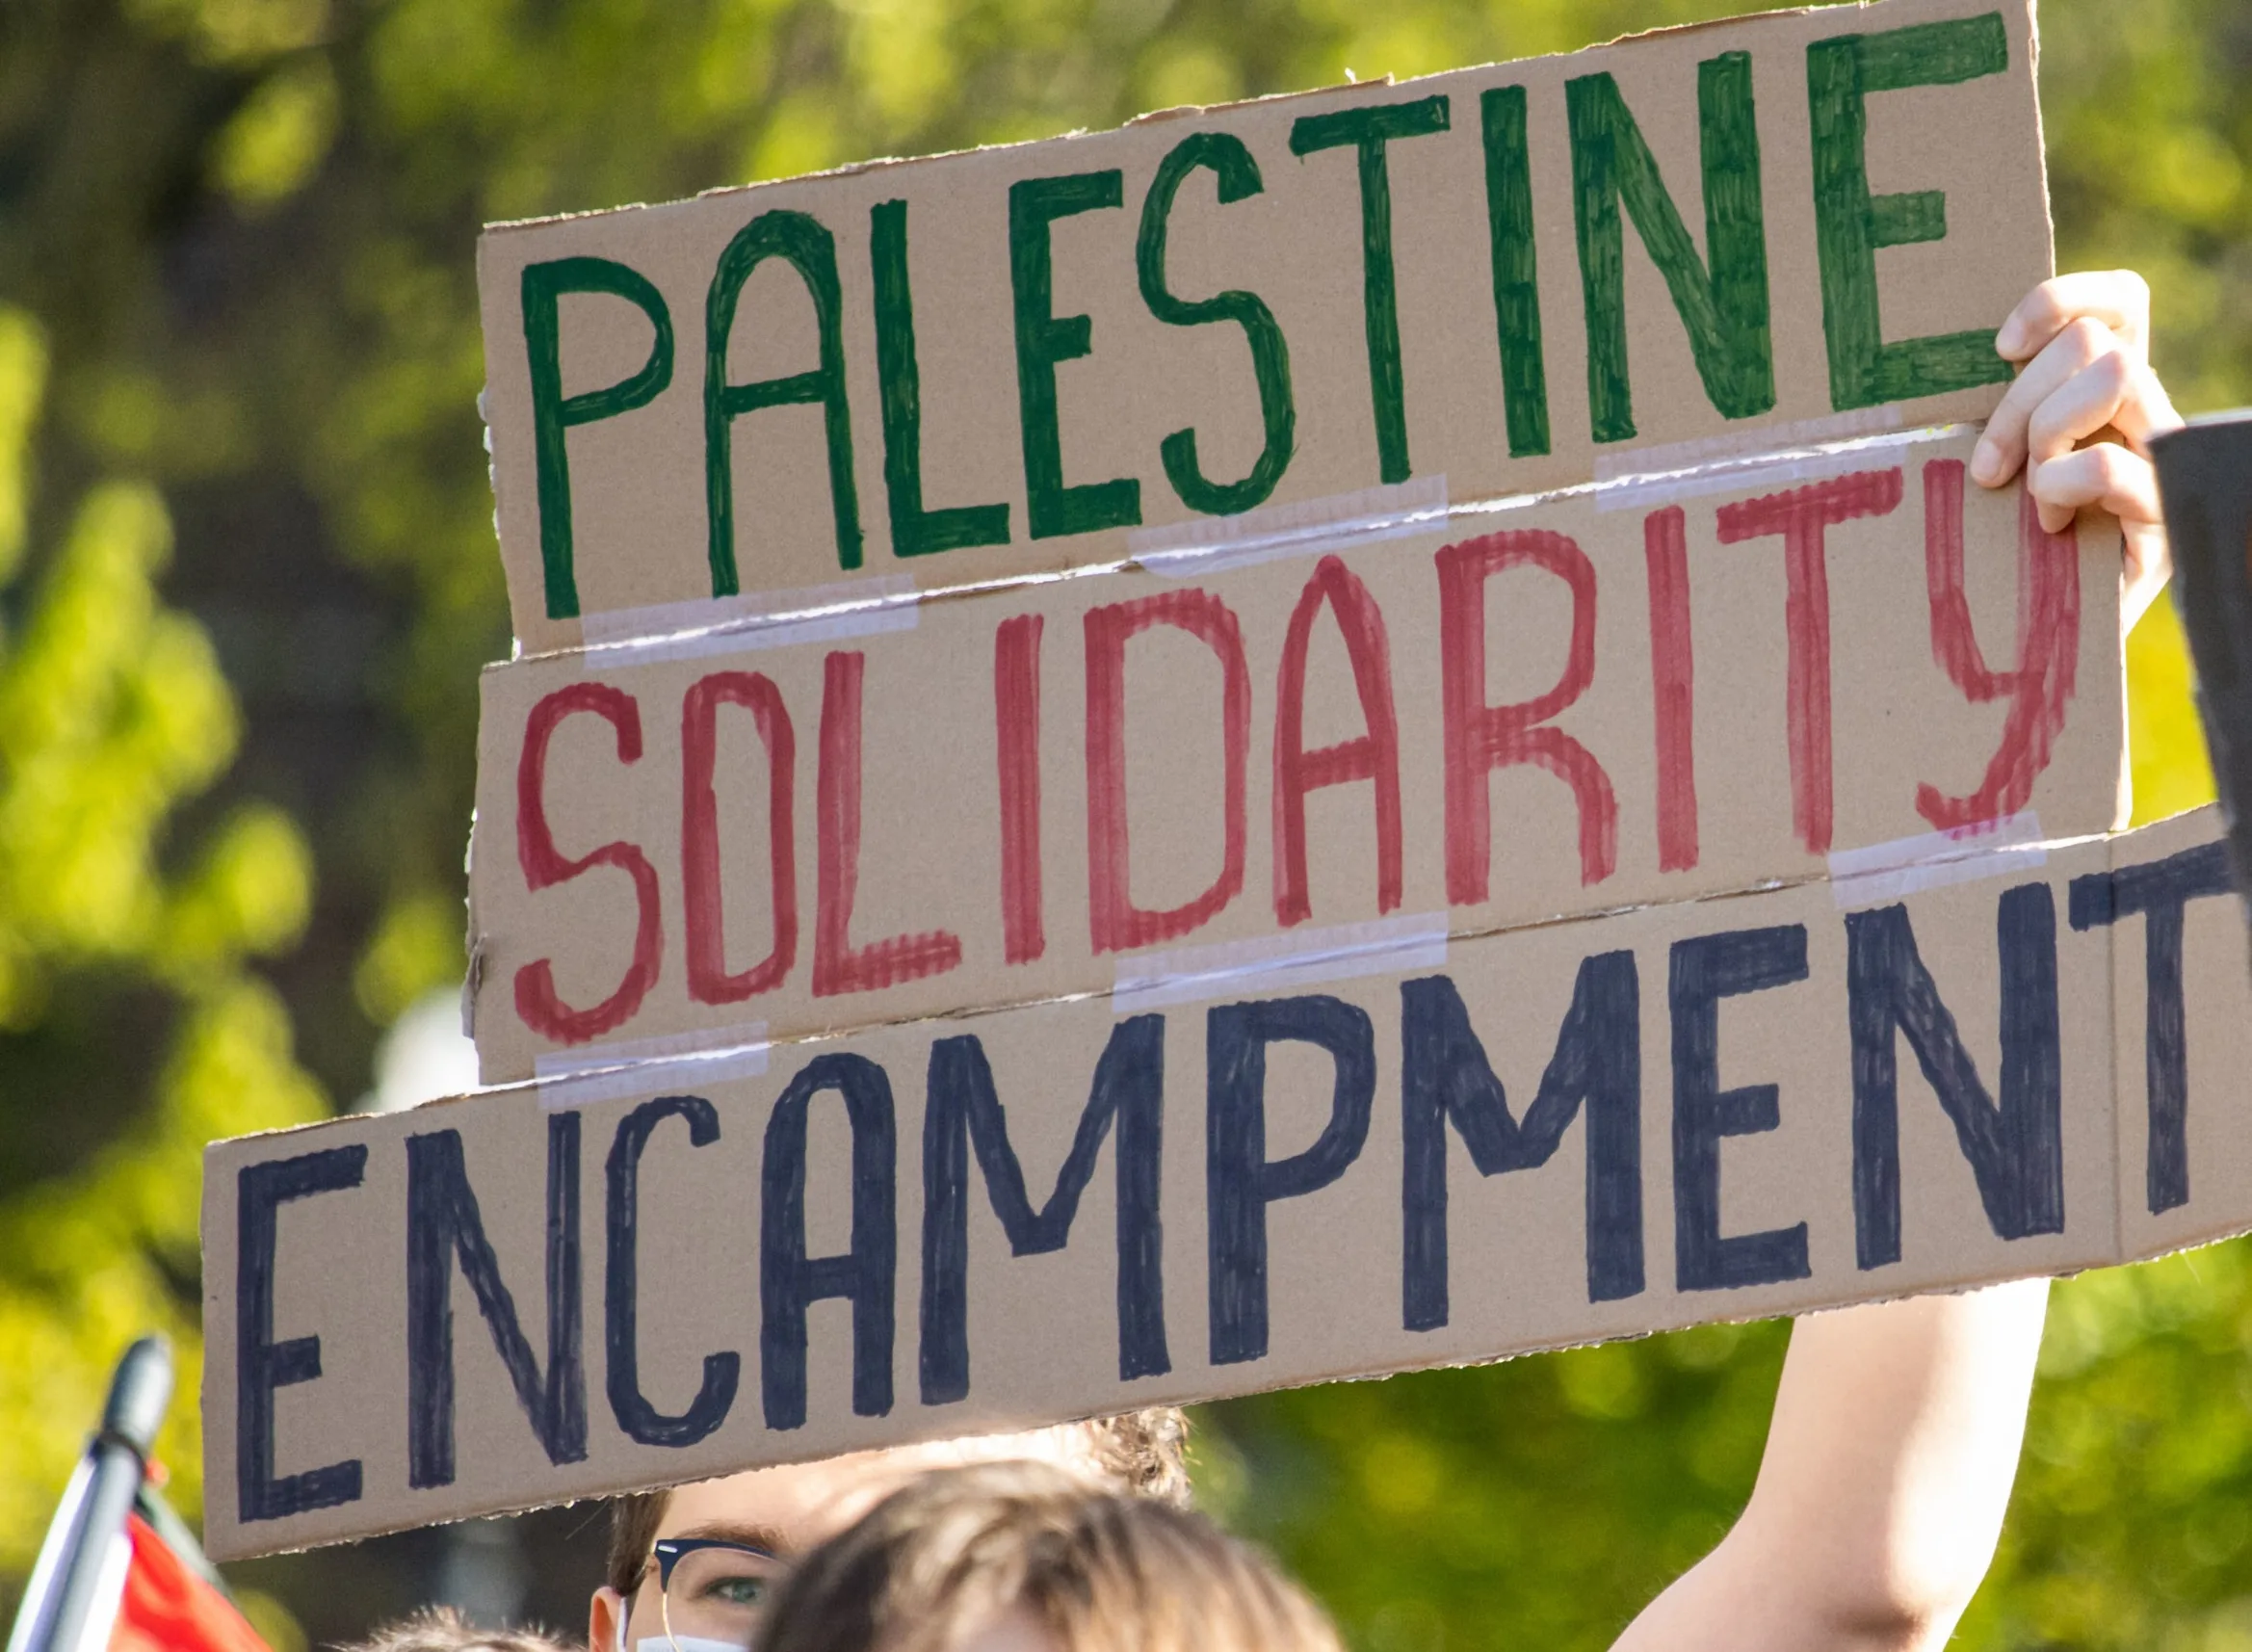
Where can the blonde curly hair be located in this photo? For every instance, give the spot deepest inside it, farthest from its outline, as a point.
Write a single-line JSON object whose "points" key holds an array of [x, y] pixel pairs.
{"points": [[442, 1629]]}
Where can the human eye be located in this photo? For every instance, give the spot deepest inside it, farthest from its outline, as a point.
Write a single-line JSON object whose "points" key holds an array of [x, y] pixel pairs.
{"points": [[740, 1590], [725, 1581]]}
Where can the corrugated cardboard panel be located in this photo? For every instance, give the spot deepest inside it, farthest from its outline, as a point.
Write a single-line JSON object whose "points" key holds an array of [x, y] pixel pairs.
{"points": [[919, 808], [1791, 227], [1712, 1109]]}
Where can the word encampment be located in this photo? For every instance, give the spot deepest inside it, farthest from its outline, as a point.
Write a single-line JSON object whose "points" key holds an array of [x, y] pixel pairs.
{"points": [[2025, 1060], [1487, 282]]}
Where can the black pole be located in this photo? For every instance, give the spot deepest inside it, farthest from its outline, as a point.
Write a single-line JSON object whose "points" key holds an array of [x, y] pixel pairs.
{"points": [[59, 1617], [2205, 479]]}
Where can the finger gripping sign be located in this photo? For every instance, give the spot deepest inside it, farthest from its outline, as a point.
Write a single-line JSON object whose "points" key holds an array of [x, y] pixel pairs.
{"points": [[1013, 361], [1709, 1109]]}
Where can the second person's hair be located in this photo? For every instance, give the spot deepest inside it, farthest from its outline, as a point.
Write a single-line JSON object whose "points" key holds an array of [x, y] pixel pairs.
{"points": [[1099, 1572], [1142, 1453]]}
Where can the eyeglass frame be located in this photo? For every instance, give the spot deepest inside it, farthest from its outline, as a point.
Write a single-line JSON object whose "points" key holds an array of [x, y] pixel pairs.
{"points": [[669, 1551]]}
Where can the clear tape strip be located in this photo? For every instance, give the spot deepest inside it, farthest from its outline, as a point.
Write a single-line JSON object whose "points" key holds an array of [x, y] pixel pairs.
{"points": [[777, 633], [1343, 952], [1190, 550], [735, 624], [604, 1072], [1754, 471], [1673, 456], [1881, 872]]}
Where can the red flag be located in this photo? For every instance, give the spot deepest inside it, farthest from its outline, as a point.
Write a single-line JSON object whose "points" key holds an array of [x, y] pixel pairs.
{"points": [[167, 1607]]}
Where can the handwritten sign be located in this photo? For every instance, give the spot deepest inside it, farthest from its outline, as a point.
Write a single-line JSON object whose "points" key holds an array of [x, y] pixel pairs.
{"points": [[1360, 732], [2020, 1060], [1405, 732], [1490, 282]]}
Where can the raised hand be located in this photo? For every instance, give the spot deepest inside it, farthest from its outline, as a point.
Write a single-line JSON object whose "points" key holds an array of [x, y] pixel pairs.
{"points": [[2084, 340]]}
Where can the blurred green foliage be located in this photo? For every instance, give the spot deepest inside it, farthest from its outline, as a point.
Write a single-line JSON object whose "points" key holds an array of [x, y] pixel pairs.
{"points": [[236, 242], [113, 716]]}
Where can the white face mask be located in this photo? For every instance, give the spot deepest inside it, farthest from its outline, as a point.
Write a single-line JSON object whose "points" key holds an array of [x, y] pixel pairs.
{"points": [[686, 1643]]}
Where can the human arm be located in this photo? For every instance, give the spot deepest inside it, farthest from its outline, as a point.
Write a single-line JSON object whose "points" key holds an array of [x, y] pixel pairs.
{"points": [[1881, 1491], [2083, 341]]}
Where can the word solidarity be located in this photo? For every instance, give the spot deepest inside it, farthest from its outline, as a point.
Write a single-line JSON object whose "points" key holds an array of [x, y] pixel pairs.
{"points": [[1010, 796], [2030, 1063], [1043, 349]]}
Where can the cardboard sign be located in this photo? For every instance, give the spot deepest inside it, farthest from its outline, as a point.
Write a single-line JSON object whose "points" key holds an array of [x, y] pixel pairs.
{"points": [[1416, 716], [1484, 283], [2026, 1061], [1341, 744]]}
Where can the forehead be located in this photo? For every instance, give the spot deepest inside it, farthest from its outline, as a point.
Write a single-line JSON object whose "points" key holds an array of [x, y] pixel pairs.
{"points": [[803, 1504], [800, 1503]]}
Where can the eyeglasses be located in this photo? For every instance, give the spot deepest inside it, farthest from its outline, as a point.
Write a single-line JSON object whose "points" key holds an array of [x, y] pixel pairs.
{"points": [[709, 1592]]}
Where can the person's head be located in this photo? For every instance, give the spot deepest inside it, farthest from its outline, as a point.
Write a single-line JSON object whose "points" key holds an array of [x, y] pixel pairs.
{"points": [[1017, 1557], [442, 1629], [700, 1533]]}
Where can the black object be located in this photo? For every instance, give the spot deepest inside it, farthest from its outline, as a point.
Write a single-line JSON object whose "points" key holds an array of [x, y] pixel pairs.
{"points": [[2205, 480], [65, 1606]]}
